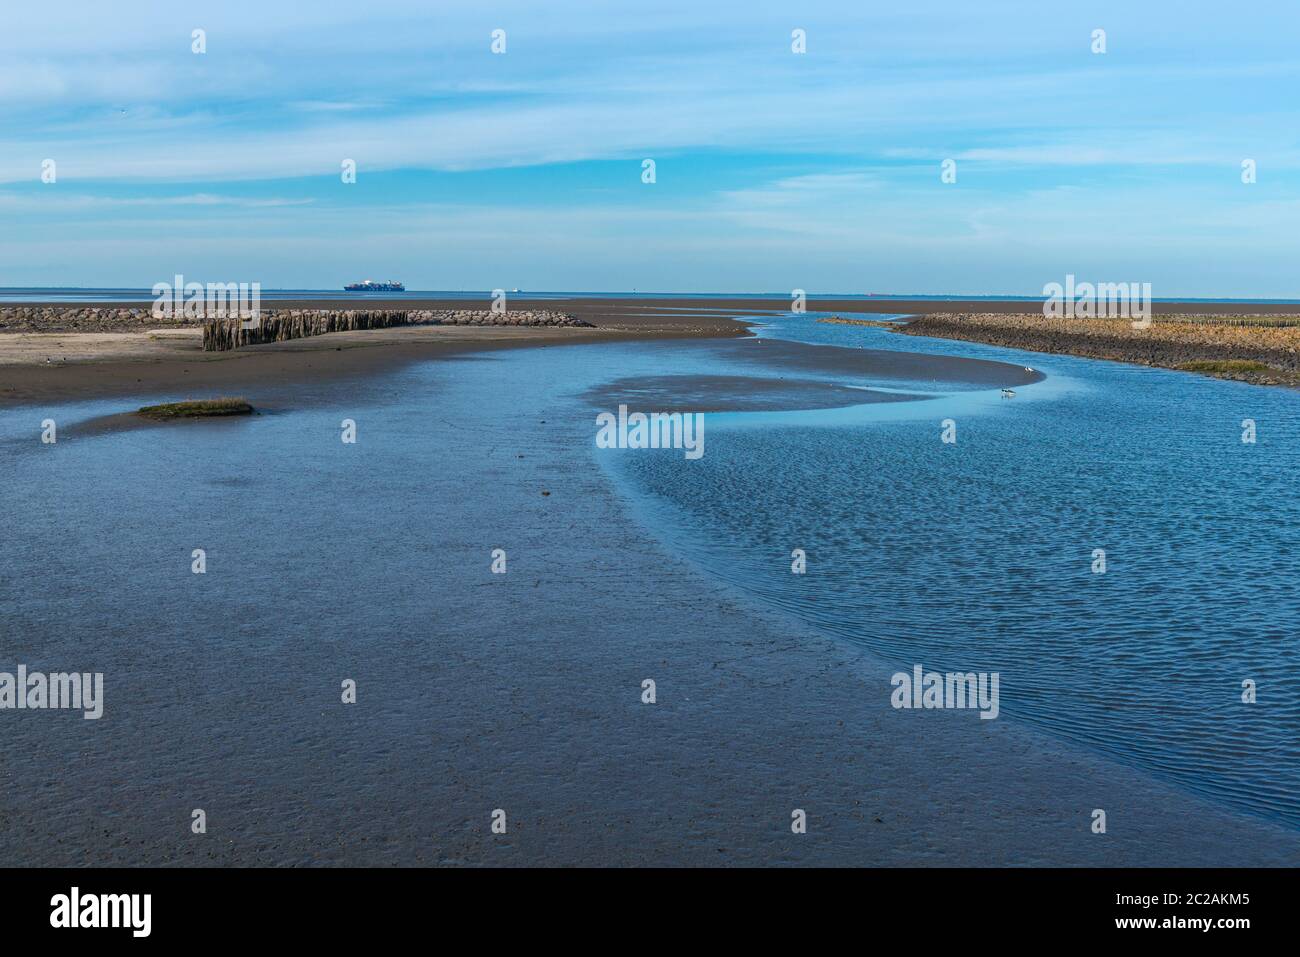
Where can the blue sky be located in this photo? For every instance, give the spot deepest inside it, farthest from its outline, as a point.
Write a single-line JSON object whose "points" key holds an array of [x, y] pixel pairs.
{"points": [[774, 170]]}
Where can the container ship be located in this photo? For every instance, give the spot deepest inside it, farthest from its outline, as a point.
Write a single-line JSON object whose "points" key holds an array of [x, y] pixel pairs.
{"points": [[370, 285]]}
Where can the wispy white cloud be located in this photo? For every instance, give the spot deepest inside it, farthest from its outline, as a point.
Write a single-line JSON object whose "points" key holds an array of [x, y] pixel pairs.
{"points": [[395, 85], [50, 202]]}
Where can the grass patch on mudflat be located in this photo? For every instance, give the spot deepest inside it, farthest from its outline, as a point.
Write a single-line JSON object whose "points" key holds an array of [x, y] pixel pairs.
{"points": [[1225, 366], [878, 323], [1242, 370], [197, 409]]}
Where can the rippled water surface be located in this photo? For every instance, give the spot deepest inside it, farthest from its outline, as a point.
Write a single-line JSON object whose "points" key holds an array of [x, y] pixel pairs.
{"points": [[979, 555]]}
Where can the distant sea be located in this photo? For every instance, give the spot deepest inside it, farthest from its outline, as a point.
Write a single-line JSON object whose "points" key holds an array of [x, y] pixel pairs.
{"points": [[68, 294]]}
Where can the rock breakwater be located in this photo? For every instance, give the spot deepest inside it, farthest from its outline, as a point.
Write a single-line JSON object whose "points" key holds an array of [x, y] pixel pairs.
{"points": [[1223, 347]]}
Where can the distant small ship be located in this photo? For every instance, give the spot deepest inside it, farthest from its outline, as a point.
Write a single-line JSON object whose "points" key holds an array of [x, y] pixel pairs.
{"points": [[370, 285]]}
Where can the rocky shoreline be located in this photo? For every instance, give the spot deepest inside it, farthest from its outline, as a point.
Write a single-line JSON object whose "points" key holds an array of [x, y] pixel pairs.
{"points": [[140, 318], [1262, 351]]}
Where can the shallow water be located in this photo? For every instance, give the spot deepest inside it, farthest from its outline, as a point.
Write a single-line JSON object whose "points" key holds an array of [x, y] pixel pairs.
{"points": [[357, 560], [979, 555]]}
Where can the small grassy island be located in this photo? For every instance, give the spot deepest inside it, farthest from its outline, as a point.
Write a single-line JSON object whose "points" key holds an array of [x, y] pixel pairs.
{"points": [[197, 409]]}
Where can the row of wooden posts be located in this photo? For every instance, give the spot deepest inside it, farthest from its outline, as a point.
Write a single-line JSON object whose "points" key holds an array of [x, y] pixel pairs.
{"points": [[222, 335]]}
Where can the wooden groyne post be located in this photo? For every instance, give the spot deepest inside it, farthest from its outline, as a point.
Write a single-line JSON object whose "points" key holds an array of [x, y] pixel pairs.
{"points": [[222, 335]]}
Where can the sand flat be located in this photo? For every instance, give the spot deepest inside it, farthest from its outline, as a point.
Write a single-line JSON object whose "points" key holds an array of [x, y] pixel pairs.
{"points": [[46, 367]]}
